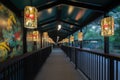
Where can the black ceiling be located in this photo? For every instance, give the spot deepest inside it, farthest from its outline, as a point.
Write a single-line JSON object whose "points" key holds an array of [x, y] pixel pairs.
{"points": [[71, 14]]}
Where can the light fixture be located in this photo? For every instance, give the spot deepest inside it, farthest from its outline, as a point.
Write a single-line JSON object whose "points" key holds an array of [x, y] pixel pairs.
{"points": [[107, 26], [71, 38], [66, 40], [29, 36], [35, 35], [45, 35], [30, 17], [59, 27], [57, 38], [80, 36]]}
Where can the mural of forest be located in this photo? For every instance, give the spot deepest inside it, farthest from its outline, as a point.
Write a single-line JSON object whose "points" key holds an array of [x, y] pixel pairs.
{"points": [[10, 34]]}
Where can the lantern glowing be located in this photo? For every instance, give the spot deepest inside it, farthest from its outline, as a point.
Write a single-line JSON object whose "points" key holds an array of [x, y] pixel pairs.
{"points": [[35, 35], [71, 38], [29, 36], [67, 40], [30, 17], [107, 26], [80, 36], [45, 35]]}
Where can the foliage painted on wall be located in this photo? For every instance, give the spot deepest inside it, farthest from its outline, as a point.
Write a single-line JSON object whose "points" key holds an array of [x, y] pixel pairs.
{"points": [[10, 34]]}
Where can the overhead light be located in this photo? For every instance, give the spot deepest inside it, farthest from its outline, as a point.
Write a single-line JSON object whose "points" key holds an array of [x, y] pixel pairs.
{"points": [[107, 26], [80, 36], [59, 27], [58, 38], [45, 35], [71, 38], [71, 26], [70, 10], [30, 17], [35, 35]]}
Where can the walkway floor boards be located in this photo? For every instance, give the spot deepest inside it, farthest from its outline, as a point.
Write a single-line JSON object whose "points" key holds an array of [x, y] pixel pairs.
{"points": [[58, 67]]}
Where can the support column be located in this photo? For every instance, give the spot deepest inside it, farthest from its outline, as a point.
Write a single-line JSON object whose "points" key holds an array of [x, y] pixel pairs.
{"points": [[106, 45], [41, 39], [24, 34]]}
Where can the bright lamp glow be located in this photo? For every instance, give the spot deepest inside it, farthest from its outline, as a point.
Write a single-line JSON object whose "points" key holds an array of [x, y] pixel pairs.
{"points": [[80, 36], [71, 38], [45, 35], [107, 26], [30, 17], [59, 27]]}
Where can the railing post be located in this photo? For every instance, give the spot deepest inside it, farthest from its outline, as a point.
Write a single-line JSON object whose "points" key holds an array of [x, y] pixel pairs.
{"points": [[110, 61], [24, 34], [76, 59], [111, 69]]}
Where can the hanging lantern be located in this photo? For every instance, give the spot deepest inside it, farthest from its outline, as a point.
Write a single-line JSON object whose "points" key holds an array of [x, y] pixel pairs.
{"points": [[107, 26], [45, 35], [71, 38], [29, 36], [80, 36], [35, 35], [66, 40], [30, 17]]}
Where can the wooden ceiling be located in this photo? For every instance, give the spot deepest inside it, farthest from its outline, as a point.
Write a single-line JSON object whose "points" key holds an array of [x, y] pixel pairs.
{"points": [[71, 14]]}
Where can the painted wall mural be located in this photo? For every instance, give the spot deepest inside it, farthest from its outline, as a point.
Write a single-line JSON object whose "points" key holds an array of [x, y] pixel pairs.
{"points": [[10, 34]]}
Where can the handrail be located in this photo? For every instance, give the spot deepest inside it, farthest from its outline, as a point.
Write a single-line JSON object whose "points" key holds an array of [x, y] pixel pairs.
{"points": [[94, 65], [9, 61], [113, 56]]}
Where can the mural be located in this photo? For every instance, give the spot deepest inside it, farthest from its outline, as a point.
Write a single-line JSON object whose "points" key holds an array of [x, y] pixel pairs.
{"points": [[10, 34]]}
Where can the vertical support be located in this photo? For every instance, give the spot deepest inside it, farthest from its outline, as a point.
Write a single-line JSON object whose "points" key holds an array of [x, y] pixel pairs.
{"points": [[41, 40], [72, 42], [69, 41], [80, 41], [35, 45], [24, 40], [111, 69], [76, 59], [80, 44], [106, 45], [24, 34]]}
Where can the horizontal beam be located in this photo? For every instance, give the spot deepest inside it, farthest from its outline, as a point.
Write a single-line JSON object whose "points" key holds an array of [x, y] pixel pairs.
{"points": [[92, 6], [49, 5], [95, 7], [47, 22], [70, 23]]}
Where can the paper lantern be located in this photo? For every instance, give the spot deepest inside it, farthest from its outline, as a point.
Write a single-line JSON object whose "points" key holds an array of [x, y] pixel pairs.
{"points": [[71, 38], [29, 36], [45, 35], [35, 36], [107, 26], [80, 36], [30, 17]]}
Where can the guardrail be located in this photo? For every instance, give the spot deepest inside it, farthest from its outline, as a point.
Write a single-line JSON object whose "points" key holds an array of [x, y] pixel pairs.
{"points": [[94, 65], [24, 67]]}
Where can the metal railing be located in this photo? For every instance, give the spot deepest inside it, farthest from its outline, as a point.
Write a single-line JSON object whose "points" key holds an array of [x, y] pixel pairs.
{"points": [[24, 67], [94, 65]]}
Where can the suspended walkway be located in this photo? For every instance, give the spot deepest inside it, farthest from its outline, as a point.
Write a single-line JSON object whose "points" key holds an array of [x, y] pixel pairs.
{"points": [[58, 67]]}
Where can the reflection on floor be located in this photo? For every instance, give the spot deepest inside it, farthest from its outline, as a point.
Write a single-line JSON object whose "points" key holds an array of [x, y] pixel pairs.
{"points": [[58, 67]]}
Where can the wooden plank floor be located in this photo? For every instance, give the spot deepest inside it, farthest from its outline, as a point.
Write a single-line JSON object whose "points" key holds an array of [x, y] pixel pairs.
{"points": [[58, 67]]}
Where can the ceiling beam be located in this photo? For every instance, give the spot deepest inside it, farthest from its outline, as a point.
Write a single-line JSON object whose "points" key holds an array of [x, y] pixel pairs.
{"points": [[47, 22], [66, 29], [70, 23], [49, 5], [49, 29], [95, 7]]}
